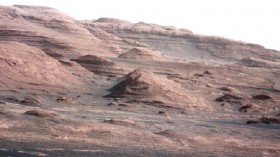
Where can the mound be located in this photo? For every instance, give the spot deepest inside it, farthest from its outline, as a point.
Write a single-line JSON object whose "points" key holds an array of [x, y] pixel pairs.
{"points": [[98, 65], [142, 53], [147, 87], [256, 62], [41, 113], [111, 20], [139, 83]]}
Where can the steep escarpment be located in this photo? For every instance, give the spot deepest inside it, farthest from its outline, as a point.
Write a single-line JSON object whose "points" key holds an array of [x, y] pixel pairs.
{"points": [[185, 44]]}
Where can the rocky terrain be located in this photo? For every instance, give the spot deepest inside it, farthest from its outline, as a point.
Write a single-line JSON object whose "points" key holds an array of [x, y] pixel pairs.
{"points": [[109, 87]]}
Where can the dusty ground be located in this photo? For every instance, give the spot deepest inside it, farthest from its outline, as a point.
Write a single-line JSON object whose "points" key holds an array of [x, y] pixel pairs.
{"points": [[113, 88]]}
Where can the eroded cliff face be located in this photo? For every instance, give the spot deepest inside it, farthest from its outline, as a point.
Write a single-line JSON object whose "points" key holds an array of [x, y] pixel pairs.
{"points": [[183, 43], [55, 32], [115, 88]]}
